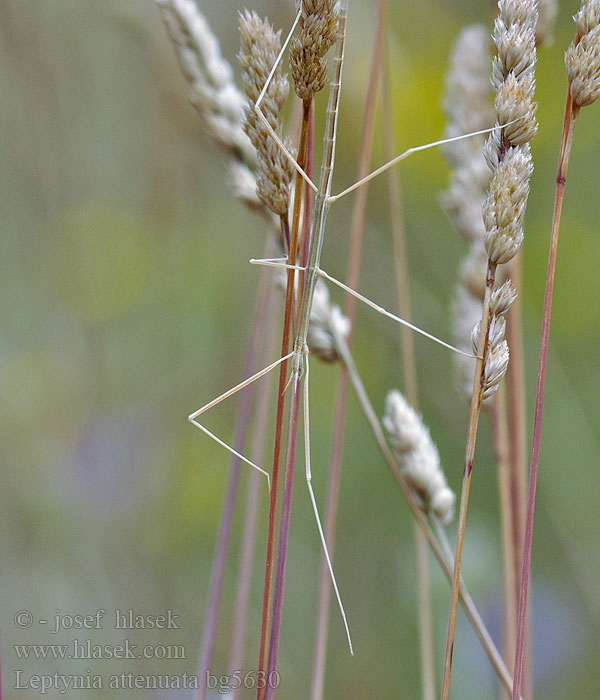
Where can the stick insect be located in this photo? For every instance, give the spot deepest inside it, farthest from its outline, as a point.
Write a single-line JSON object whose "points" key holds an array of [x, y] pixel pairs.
{"points": [[298, 383]]}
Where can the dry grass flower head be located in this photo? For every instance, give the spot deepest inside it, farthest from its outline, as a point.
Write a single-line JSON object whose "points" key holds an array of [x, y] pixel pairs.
{"points": [[214, 95], [308, 48], [418, 457], [583, 56], [467, 103], [326, 323], [213, 91], [468, 107], [508, 153], [507, 150], [547, 10], [260, 46]]}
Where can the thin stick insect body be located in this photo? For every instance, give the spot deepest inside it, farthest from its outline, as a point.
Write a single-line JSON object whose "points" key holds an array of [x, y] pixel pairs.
{"points": [[323, 200]]}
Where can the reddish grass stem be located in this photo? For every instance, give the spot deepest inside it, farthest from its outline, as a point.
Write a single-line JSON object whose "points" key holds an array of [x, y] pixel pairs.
{"points": [[285, 344], [284, 531], [571, 113]]}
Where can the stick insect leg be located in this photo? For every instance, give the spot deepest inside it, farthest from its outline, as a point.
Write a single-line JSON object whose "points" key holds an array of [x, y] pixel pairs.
{"points": [[193, 416], [264, 120], [275, 262], [383, 311], [410, 151], [314, 502]]}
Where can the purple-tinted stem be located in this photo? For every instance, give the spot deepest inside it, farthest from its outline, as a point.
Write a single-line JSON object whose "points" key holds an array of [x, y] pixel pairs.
{"points": [[255, 483], [284, 531], [561, 176], [218, 569]]}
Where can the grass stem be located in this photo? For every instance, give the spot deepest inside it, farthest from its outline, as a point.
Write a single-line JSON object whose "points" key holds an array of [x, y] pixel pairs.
{"points": [[284, 531], [476, 399], [571, 113], [279, 421]]}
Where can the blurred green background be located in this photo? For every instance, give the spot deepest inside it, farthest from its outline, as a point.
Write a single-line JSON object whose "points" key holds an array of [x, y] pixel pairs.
{"points": [[127, 303]]}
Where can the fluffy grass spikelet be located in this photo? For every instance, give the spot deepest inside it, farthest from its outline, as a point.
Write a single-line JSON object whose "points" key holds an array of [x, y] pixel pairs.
{"points": [[317, 34], [503, 298], [504, 208], [214, 95], [468, 107], [213, 91], [326, 323], [260, 45], [498, 356], [418, 457], [583, 56], [507, 150], [547, 10], [467, 103], [495, 368]]}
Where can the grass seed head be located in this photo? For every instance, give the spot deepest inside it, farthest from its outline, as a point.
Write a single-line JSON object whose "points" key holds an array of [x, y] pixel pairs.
{"points": [[547, 10], [503, 298], [213, 92], [588, 16], [308, 48], [504, 208], [418, 457], [495, 368], [260, 46], [583, 62], [326, 322], [467, 103]]}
